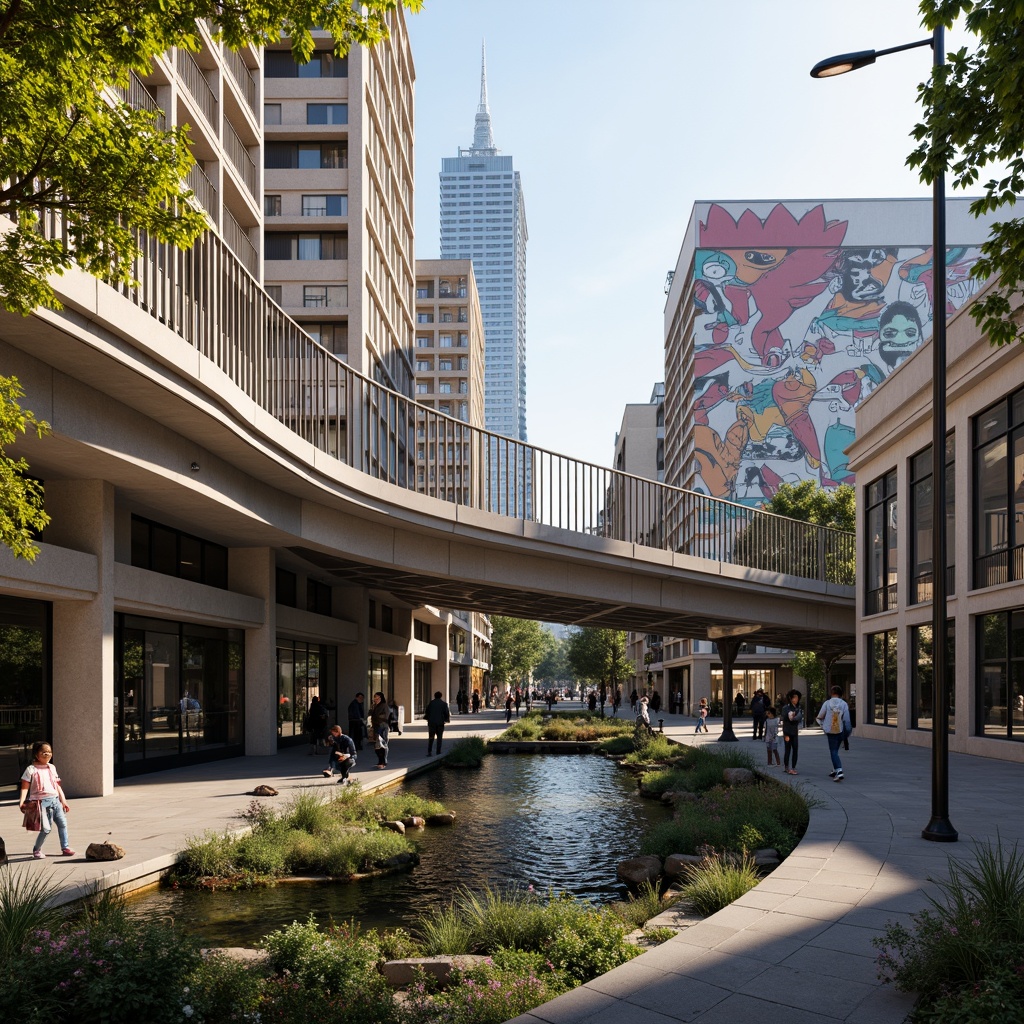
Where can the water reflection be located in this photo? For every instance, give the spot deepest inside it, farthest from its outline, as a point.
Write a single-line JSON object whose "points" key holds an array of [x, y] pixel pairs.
{"points": [[554, 822]]}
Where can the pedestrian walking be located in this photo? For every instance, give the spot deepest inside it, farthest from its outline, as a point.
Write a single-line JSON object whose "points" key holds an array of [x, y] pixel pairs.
{"points": [[437, 716], [508, 707], [315, 724], [379, 714], [771, 737], [792, 719], [834, 718], [40, 783], [758, 706], [702, 716], [357, 720]]}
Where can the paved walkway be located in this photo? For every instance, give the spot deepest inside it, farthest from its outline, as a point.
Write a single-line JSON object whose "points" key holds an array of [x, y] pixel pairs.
{"points": [[151, 815], [795, 950]]}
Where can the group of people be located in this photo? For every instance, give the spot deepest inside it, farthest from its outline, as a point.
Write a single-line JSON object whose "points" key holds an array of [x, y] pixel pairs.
{"points": [[833, 717]]}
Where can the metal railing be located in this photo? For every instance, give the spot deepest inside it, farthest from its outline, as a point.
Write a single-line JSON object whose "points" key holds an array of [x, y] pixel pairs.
{"points": [[239, 156], [208, 297], [204, 189], [195, 81], [244, 77], [240, 242], [136, 95]]}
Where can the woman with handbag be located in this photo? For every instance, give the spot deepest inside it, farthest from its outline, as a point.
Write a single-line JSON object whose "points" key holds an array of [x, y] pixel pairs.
{"points": [[40, 784]]}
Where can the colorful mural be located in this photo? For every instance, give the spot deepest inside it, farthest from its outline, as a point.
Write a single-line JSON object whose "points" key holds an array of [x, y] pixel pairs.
{"points": [[793, 330]]}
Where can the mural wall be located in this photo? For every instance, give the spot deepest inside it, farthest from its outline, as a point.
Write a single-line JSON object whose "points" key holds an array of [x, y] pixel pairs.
{"points": [[793, 330]]}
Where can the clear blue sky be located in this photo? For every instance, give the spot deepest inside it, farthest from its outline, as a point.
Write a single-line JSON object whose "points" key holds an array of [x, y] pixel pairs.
{"points": [[620, 116]]}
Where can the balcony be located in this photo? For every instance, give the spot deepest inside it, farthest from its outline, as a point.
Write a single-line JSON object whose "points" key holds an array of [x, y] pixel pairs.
{"points": [[195, 81]]}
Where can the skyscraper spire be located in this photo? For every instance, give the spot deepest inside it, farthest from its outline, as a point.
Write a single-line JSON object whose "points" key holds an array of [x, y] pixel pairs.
{"points": [[482, 137]]}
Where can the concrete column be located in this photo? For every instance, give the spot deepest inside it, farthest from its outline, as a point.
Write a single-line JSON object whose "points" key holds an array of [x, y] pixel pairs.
{"points": [[252, 571], [82, 518], [353, 659]]}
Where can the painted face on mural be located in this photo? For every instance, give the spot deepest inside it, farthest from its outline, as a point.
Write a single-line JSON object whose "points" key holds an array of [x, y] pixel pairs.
{"points": [[859, 285], [899, 332], [752, 264]]}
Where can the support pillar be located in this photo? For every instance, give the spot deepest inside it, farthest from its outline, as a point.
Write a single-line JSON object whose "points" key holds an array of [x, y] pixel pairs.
{"points": [[82, 518], [253, 571], [728, 648]]}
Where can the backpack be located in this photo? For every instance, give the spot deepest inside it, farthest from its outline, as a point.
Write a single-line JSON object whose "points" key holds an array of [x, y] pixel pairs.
{"points": [[835, 724]]}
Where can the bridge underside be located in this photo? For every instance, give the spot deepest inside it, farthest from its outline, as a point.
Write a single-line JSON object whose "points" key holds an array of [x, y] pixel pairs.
{"points": [[418, 588]]}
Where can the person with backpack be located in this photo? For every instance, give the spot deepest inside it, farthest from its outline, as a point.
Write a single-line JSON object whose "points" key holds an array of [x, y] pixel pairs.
{"points": [[834, 718]]}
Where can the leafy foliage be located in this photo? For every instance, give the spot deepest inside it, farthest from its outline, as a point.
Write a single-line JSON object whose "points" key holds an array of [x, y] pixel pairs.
{"points": [[965, 956], [716, 883], [21, 497], [973, 122], [470, 750], [71, 149], [517, 646], [598, 655]]}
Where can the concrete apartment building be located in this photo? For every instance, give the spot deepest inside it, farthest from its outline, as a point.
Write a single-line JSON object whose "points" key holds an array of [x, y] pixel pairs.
{"points": [[180, 608], [338, 199], [985, 556], [483, 218], [781, 318]]}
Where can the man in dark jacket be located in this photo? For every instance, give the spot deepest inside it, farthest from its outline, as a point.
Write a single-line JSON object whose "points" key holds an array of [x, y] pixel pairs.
{"points": [[758, 706], [341, 755], [437, 716], [357, 721]]}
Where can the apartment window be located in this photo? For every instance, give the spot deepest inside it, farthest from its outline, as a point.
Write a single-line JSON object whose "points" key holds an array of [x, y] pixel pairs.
{"points": [[421, 630], [444, 364], [287, 586], [881, 523], [317, 296], [463, 341], [463, 387], [325, 206], [424, 365], [463, 362], [318, 597], [326, 245], [271, 113], [387, 618], [271, 206], [323, 64], [422, 389], [326, 113], [921, 518], [999, 492], [921, 691], [333, 337], [424, 318], [422, 342], [445, 388], [306, 155], [175, 553], [445, 341], [1000, 678], [274, 292], [882, 677]]}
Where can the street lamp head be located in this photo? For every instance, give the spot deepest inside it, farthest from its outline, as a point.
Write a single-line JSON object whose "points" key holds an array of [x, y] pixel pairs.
{"points": [[842, 63]]}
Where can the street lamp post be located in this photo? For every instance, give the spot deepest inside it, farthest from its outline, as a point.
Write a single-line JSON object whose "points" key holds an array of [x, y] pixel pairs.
{"points": [[939, 829]]}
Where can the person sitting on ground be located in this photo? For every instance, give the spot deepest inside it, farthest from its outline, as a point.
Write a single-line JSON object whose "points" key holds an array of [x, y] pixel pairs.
{"points": [[341, 755]]}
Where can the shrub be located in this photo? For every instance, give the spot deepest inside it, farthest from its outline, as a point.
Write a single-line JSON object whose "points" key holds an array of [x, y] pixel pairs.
{"points": [[640, 908], [307, 811], [222, 989], [336, 961], [502, 918], [715, 884], [24, 907], [587, 942], [965, 956], [468, 751], [617, 745], [209, 855], [446, 932], [262, 853], [658, 935], [656, 748], [134, 972], [395, 944]]}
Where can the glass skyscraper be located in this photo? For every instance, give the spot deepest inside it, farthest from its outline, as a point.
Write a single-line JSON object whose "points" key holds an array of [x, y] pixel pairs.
{"points": [[483, 218]]}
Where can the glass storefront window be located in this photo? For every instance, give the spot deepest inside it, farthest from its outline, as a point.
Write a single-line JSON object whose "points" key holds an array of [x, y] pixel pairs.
{"points": [[178, 693], [304, 671], [922, 693], [882, 701], [1000, 681], [24, 685]]}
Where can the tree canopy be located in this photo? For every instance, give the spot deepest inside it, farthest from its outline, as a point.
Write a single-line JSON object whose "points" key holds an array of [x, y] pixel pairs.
{"points": [[973, 123], [517, 646], [808, 502], [21, 497], [597, 655], [70, 147]]}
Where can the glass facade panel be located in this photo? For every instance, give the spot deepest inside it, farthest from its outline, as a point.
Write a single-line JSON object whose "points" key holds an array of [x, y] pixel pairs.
{"points": [[1000, 680], [25, 690], [922, 691], [304, 671], [381, 675], [882, 702]]}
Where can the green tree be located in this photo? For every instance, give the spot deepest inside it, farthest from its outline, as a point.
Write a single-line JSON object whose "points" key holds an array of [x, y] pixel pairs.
{"points": [[553, 665], [808, 665], [769, 543], [517, 646], [973, 123], [597, 655], [21, 497], [69, 148]]}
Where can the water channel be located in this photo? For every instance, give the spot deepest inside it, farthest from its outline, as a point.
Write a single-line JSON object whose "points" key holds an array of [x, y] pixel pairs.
{"points": [[558, 822]]}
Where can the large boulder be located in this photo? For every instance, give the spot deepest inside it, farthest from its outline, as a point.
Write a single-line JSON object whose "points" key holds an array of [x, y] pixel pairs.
{"points": [[413, 821], [766, 859], [104, 851], [637, 870], [400, 973], [445, 819], [677, 863], [395, 826], [739, 777]]}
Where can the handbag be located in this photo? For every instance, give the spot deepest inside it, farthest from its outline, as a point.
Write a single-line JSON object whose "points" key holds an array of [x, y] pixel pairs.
{"points": [[33, 819]]}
